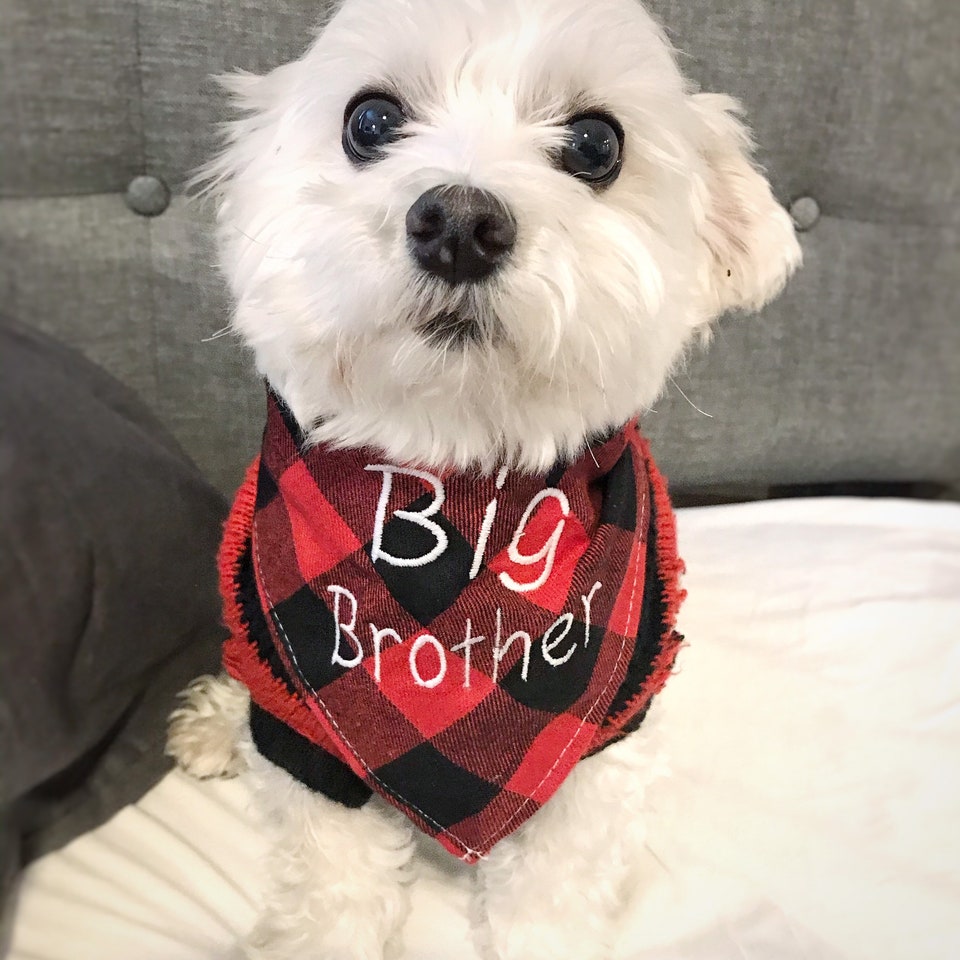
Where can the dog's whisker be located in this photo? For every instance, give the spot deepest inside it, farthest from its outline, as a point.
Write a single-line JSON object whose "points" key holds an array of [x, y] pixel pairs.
{"points": [[268, 257], [222, 332], [692, 404], [596, 347]]}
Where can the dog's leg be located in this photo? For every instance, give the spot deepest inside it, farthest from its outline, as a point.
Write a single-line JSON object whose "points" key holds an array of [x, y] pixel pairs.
{"points": [[205, 733], [337, 878], [554, 889]]}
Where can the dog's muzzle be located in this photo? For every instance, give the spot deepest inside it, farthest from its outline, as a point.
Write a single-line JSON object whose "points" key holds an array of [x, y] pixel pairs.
{"points": [[460, 234]]}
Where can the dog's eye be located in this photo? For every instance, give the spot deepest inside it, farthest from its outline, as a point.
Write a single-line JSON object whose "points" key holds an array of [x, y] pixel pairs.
{"points": [[594, 151], [371, 123]]}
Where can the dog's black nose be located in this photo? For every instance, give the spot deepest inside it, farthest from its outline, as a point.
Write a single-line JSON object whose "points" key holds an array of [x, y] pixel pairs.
{"points": [[460, 234]]}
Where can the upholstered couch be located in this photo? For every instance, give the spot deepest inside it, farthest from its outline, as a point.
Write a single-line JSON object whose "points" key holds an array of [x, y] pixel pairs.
{"points": [[106, 108], [854, 375]]}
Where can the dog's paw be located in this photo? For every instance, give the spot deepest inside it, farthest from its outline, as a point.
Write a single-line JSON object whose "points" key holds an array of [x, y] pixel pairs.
{"points": [[204, 734]]}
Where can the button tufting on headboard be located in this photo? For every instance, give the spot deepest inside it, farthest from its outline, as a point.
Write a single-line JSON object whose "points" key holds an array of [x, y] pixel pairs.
{"points": [[148, 196]]}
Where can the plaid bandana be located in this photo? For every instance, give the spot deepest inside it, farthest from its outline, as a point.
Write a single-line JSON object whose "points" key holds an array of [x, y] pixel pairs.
{"points": [[455, 642]]}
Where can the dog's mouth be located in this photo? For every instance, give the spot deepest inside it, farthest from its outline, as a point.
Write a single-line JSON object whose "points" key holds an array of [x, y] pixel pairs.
{"points": [[456, 330]]}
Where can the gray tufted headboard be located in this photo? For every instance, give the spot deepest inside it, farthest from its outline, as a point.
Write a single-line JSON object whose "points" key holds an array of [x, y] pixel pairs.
{"points": [[853, 375]]}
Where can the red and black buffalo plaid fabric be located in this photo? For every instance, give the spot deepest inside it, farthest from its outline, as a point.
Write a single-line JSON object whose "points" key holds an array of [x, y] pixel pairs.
{"points": [[455, 642]]}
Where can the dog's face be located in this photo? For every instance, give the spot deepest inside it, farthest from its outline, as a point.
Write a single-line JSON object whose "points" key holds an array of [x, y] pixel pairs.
{"points": [[483, 230]]}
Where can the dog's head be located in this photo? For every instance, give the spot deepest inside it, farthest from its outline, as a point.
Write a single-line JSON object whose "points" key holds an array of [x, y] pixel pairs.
{"points": [[483, 230]]}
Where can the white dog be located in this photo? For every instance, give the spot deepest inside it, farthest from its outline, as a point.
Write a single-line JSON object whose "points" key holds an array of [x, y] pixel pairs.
{"points": [[473, 236]]}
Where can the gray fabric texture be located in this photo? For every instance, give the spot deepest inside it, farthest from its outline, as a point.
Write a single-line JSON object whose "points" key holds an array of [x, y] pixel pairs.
{"points": [[853, 375], [107, 587]]}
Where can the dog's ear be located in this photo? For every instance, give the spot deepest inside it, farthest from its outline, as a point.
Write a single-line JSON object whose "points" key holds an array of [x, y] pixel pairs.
{"points": [[751, 244], [256, 102]]}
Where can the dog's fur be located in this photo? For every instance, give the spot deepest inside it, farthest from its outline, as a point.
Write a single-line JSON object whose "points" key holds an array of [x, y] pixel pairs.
{"points": [[578, 333]]}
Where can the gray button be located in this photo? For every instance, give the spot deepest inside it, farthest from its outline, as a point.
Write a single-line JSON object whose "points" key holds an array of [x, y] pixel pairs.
{"points": [[805, 212], [148, 196]]}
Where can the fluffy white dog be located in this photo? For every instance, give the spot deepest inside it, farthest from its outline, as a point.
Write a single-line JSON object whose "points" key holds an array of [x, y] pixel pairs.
{"points": [[474, 236]]}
